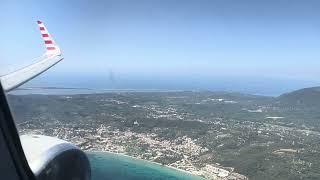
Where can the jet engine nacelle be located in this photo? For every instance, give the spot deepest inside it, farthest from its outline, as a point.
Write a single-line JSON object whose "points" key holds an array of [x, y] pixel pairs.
{"points": [[54, 159]]}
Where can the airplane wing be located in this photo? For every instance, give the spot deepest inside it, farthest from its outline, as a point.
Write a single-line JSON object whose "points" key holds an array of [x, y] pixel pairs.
{"points": [[51, 57], [47, 157]]}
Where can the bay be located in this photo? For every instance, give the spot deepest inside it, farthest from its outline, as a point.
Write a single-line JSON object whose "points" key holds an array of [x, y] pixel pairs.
{"points": [[112, 166]]}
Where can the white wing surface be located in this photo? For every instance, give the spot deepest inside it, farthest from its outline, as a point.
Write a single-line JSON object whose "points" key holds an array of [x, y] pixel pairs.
{"points": [[51, 57]]}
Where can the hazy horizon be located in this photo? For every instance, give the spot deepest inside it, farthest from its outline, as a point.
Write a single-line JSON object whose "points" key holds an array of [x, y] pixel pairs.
{"points": [[250, 46], [258, 86]]}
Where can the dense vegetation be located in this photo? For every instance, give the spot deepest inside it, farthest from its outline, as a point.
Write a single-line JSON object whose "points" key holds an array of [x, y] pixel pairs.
{"points": [[261, 137]]}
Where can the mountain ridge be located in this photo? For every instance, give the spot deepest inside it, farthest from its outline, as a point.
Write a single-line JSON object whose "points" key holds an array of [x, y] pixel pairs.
{"points": [[302, 97]]}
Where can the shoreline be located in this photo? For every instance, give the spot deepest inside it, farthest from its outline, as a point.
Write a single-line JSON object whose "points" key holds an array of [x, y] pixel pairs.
{"points": [[171, 167]]}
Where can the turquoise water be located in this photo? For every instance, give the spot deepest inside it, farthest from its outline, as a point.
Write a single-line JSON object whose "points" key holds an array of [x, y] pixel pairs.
{"points": [[112, 166]]}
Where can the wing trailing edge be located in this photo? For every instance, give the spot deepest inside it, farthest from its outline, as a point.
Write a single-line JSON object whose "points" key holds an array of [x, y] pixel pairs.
{"points": [[51, 57]]}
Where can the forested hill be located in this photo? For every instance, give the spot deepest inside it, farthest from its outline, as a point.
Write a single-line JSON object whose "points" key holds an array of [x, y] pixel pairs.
{"points": [[307, 97]]}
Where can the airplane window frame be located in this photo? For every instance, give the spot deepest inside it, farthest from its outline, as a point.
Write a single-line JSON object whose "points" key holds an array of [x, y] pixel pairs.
{"points": [[12, 141]]}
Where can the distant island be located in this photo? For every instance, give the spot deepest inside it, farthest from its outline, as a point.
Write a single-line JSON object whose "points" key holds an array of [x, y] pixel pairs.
{"points": [[215, 135]]}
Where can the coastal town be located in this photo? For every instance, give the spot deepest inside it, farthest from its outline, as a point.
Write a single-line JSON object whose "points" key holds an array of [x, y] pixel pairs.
{"points": [[181, 153], [207, 134]]}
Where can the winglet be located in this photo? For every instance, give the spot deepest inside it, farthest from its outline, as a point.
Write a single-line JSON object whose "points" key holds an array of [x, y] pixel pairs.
{"points": [[51, 47], [51, 57]]}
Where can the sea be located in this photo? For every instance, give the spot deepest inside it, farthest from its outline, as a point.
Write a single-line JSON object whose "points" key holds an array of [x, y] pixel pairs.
{"points": [[90, 84], [113, 166]]}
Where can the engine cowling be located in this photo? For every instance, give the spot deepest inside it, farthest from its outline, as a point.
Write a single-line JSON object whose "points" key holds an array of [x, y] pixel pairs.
{"points": [[51, 158]]}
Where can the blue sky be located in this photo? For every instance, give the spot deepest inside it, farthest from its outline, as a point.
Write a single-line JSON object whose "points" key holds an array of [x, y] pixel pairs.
{"points": [[167, 40]]}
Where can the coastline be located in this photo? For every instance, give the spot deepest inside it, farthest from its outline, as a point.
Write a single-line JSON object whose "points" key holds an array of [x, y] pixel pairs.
{"points": [[171, 167]]}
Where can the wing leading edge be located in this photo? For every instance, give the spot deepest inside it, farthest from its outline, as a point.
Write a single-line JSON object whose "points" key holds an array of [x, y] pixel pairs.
{"points": [[51, 57]]}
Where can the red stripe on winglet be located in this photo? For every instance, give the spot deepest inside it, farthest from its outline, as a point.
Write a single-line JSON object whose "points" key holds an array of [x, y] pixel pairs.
{"points": [[51, 48], [45, 35], [39, 22], [42, 28], [48, 42]]}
